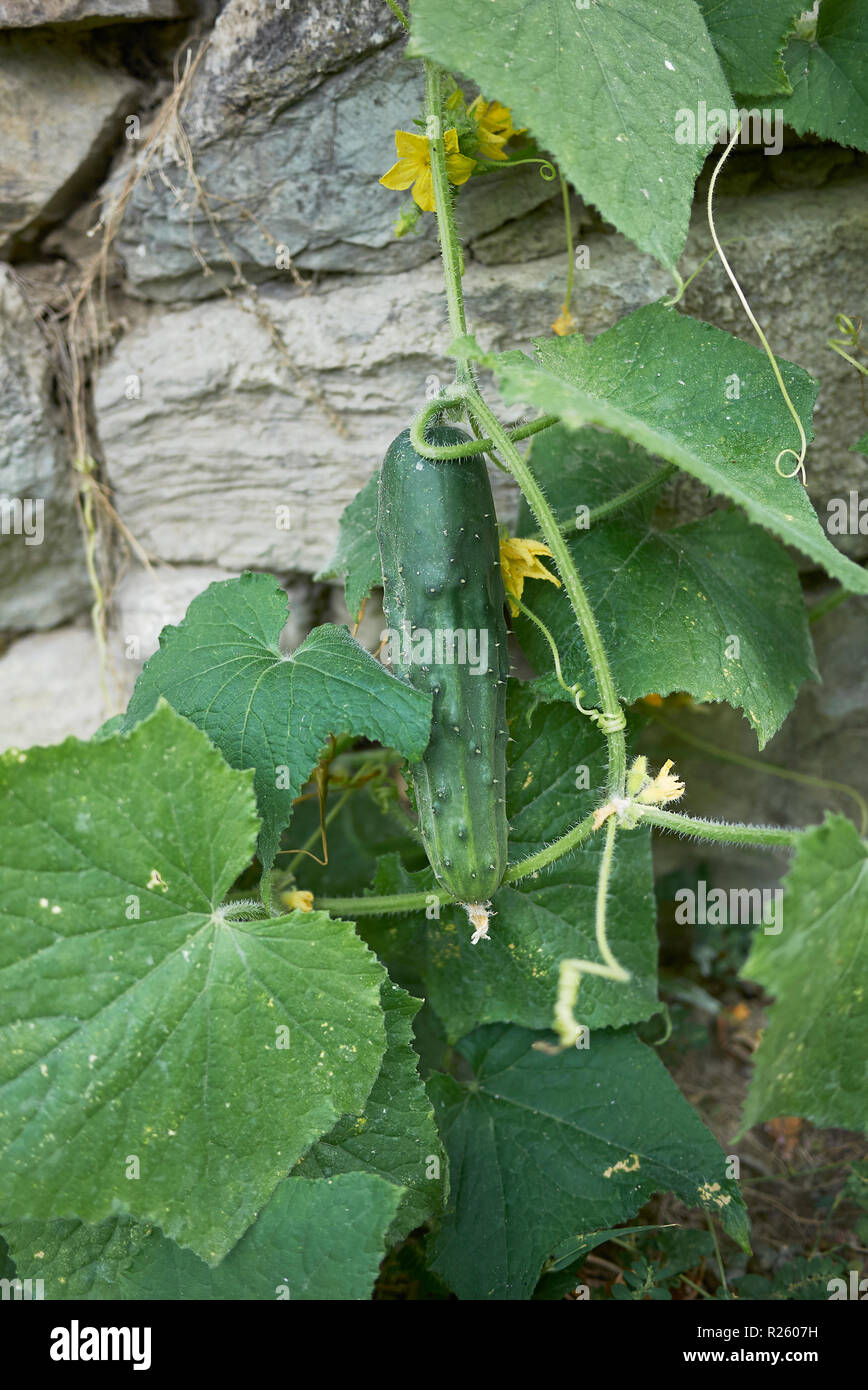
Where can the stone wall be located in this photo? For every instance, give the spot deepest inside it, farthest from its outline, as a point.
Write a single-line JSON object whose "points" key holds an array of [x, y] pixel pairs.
{"points": [[264, 334]]}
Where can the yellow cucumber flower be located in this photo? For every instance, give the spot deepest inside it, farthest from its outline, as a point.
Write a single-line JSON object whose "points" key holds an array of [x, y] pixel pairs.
{"points": [[414, 166], [642, 789], [518, 562], [493, 127], [662, 788], [298, 900]]}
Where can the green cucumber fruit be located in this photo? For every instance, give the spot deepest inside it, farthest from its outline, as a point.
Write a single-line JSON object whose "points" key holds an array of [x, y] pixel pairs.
{"points": [[444, 604]]}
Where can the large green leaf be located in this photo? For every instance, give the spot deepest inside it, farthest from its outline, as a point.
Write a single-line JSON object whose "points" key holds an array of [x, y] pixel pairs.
{"points": [[556, 775], [357, 554], [222, 668], [395, 1134], [146, 1063], [670, 603], [829, 76], [315, 1240], [600, 87], [541, 1147], [749, 36], [76, 1260], [661, 378], [813, 1057]]}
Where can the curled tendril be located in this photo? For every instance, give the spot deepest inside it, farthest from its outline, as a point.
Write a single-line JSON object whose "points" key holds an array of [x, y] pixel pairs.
{"points": [[607, 723], [851, 331], [547, 169], [800, 455], [799, 468]]}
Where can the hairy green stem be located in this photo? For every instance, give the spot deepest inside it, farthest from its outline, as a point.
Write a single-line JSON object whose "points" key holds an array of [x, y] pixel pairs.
{"points": [[828, 604], [773, 769], [399, 13], [450, 247], [725, 832], [631, 494], [374, 906], [544, 422], [528, 867], [460, 451], [618, 502]]}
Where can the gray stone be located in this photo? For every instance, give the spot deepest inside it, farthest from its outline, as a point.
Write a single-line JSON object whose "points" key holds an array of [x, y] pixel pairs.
{"points": [[144, 602], [206, 434], [295, 178], [539, 233], [263, 55], [223, 434], [28, 14], [52, 684], [61, 114], [51, 688], [42, 575]]}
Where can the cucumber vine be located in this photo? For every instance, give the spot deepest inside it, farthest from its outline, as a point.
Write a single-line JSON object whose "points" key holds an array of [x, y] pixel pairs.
{"points": [[463, 398], [210, 1091]]}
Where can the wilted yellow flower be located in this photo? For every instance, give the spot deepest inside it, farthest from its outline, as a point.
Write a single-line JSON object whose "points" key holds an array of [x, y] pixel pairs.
{"points": [[414, 166], [300, 900], [518, 562], [664, 787], [642, 789], [493, 127], [565, 323]]}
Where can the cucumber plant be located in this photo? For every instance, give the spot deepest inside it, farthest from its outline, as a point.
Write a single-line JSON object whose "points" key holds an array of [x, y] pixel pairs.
{"points": [[213, 1033]]}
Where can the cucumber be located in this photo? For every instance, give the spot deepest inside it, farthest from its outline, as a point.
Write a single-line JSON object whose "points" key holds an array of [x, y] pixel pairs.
{"points": [[440, 554]]}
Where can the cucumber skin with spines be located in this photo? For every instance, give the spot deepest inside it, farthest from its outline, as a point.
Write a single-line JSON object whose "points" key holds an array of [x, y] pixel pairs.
{"points": [[440, 553]]}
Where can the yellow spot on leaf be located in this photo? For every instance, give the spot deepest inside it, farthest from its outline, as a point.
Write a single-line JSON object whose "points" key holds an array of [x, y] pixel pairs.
{"points": [[626, 1165]]}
